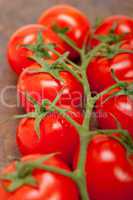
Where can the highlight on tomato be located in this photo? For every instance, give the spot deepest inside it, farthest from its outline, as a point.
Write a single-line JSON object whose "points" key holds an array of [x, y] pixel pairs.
{"points": [[42, 85], [19, 55], [76, 24], [27, 180], [111, 109], [114, 28], [55, 134], [99, 71], [109, 170]]}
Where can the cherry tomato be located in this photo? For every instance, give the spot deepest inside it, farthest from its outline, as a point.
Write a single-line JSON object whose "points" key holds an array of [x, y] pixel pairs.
{"points": [[118, 108], [18, 55], [67, 16], [45, 86], [99, 70], [56, 135], [50, 185], [120, 25], [109, 170]]}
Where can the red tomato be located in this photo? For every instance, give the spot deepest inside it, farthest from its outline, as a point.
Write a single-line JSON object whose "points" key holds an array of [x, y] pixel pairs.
{"points": [[118, 107], [120, 24], [129, 38], [44, 86], [56, 135], [3, 194], [18, 55], [109, 170], [50, 185], [99, 70], [123, 24], [67, 16]]}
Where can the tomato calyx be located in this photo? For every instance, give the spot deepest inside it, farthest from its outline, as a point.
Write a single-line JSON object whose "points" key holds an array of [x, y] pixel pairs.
{"points": [[110, 51], [53, 68], [22, 175], [56, 28], [40, 111], [111, 37], [113, 41], [40, 49]]}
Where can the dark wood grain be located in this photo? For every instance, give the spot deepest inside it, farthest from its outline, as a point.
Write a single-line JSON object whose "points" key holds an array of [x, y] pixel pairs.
{"points": [[16, 13]]}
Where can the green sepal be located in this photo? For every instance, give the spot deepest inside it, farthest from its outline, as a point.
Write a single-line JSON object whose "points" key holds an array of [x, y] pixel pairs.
{"points": [[110, 38], [119, 93], [126, 142], [40, 49], [37, 123], [59, 29], [97, 22]]}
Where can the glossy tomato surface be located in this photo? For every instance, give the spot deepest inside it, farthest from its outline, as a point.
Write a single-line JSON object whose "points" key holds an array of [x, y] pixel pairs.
{"points": [[56, 135], [117, 24], [109, 170], [50, 185], [44, 86], [118, 108], [120, 24], [67, 16], [18, 55], [99, 70]]}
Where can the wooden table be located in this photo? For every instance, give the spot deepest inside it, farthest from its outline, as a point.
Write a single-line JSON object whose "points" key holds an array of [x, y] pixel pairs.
{"points": [[14, 14]]}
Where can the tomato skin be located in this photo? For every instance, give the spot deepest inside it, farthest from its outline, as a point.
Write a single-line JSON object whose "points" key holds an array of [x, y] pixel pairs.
{"points": [[123, 25], [44, 86], [109, 171], [3, 194], [67, 16], [50, 185], [56, 135], [120, 107], [129, 38], [18, 56], [99, 70]]}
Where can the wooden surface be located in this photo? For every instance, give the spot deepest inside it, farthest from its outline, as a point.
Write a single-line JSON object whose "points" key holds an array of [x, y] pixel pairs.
{"points": [[14, 14]]}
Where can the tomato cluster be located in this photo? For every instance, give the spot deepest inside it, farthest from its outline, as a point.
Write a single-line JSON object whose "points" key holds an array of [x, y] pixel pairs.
{"points": [[108, 170]]}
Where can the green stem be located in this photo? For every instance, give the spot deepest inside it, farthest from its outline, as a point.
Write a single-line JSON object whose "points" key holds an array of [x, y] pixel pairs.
{"points": [[68, 68], [106, 91], [109, 131], [81, 171], [27, 115], [67, 60], [42, 63], [93, 53], [88, 113], [73, 72], [58, 171], [69, 42], [64, 114], [83, 189]]}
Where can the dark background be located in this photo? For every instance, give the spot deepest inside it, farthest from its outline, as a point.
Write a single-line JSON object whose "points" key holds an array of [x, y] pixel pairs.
{"points": [[16, 13]]}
